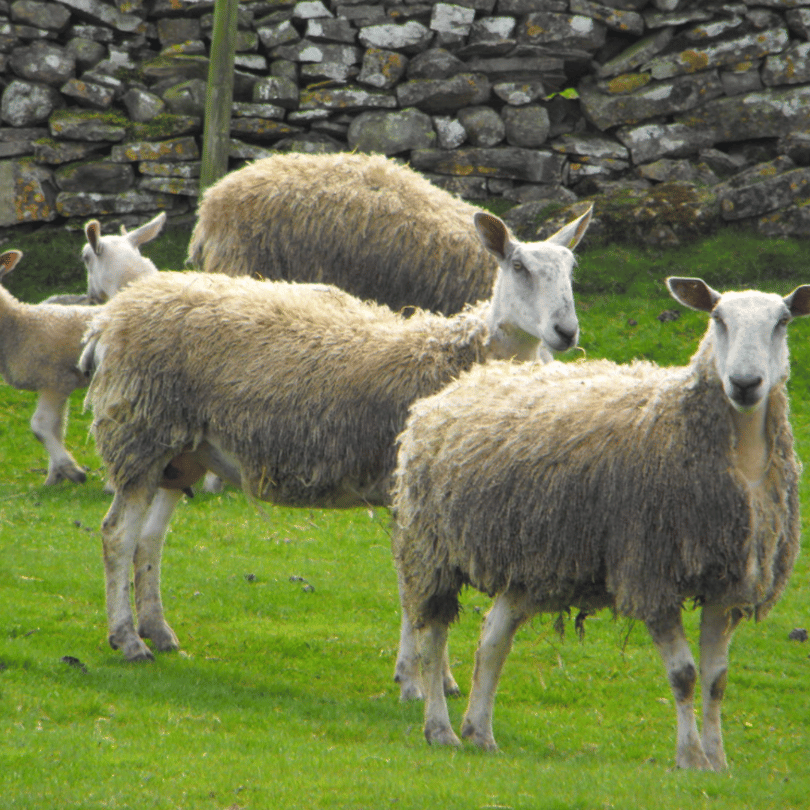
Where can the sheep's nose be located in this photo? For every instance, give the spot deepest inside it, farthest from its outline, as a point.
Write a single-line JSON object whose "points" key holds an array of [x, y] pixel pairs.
{"points": [[743, 389], [567, 336]]}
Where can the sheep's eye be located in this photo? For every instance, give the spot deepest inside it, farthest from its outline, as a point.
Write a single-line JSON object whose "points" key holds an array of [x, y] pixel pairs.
{"points": [[718, 320], [784, 320], [519, 267]]}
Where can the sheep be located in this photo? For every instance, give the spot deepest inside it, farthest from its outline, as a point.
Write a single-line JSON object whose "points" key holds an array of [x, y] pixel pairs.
{"points": [[595, 485], [40, 344], [39, 348], [365, 223], [294, 392]]}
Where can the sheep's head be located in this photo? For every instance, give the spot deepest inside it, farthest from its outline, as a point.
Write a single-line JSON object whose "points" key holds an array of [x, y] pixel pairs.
{"points": [[533, 297], [747, 335], [114, 261]]}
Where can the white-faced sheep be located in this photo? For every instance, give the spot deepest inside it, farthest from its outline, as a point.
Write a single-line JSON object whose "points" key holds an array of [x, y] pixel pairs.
{"points": [[592, 485], [365, 223], [294, 392], [40, 343], [113, 261], [39, 350]]}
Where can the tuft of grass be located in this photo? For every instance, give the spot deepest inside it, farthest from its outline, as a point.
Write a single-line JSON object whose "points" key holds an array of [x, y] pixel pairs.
{"points": [[283, 696]]}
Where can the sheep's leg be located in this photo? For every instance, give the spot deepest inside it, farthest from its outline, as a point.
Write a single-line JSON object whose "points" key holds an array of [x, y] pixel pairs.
{"points": [[120, 532], [437, 719], [716, 629], [47, 423], [500, 625], [670, 640], [148, 603], [406, 671]]}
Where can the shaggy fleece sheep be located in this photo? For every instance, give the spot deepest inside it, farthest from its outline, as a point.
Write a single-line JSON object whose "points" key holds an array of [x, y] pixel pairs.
{"points": [[594, 485], [364, 223]]}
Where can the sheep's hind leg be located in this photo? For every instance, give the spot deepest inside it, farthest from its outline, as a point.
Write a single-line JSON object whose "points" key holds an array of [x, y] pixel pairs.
{"points": [[121, 531], [716, 628], [148, 602], [47, 424], [437, 719], [406, 670], [502, 622], [669, 638]]}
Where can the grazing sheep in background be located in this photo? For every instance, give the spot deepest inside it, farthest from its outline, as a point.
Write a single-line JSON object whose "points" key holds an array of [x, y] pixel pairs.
{"points": [[592, 485], [112, 261], [39, 349], [364, 223], [294, 392]]}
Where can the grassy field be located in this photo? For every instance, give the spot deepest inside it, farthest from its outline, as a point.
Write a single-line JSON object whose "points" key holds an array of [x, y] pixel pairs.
{"points": [[283, 695]]}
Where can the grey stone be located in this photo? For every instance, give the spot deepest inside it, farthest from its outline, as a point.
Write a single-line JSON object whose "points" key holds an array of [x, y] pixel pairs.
{"points": [[490, 36], [25, 104], [276, 90], [262, 129], [187, 98], [529, 6], [57, 152], [173, 150], [101, 13], [798, 20], [435, 63], [562, 30], [453, 21], [86, 52], [243, 109], [792, 66], [86, 126], [796, 145], [667, 170], [279, 34], [51, 16], [637, 54], [483, 125], [239, 150], [171, 30], [736, 83], [530, 165], [382, 69], [310, 9], [391, 133], [661, 18], [526, 126], [714, 28], [252, 61], [769, 194], [649, 142], [584, 167], [29, 194], [142, 105], [793, 220], [88, 94], [516, 69], [87, 204], [450, 132], [468, 188], [101, 176], [349, 99], [43, 62], [595, 146], [517, 94], [628, 22], [444, 95], [363, 14], [154, 168], [412, 37], [178, 186], [331, 30]]}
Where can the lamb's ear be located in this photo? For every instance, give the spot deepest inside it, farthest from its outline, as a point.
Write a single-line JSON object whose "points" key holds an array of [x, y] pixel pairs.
{"points": [[694, 293], [92, 230], [569, 235], [798, 302], [493, 233], [8, 261], [148, 231]]}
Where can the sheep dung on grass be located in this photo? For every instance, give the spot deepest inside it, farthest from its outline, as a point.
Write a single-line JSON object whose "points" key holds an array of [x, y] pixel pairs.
{"points": [[594, 485], [295, 392], [40, 343], [365, 223]]}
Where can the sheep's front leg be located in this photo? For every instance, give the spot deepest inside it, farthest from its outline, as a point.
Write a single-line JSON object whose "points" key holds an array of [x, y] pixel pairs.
{"points": [[716, 629], [120, 532], [669, 638], [47, 423], [500, 625], [406, 670], [437, 719], [148, 602]]}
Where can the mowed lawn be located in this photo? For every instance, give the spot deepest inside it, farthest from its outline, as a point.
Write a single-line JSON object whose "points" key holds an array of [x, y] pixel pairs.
{"points": [[282, 696]]}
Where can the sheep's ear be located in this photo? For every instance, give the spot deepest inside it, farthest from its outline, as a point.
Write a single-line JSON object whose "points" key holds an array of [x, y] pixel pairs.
{"points": [[8, 261], [569, 235], [148, 231], [694, 293], [92, 230], [798, 302], [493, 233]]}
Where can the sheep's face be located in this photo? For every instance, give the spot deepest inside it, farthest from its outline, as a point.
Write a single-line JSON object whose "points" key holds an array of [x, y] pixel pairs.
{"points": [[533, 296], [748, 335]]}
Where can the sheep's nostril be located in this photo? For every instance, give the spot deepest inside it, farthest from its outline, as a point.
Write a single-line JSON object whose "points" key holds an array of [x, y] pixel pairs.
{"points": [[566, 335], [743, 388]]}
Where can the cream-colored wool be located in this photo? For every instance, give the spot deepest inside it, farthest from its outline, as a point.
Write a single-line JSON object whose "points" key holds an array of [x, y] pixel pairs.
{"points": [[364, 223], [304, 384], [591, 485]]}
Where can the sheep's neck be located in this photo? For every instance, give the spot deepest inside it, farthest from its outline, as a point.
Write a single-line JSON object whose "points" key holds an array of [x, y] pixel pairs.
{"points": [[509, 342], [752, 443]]}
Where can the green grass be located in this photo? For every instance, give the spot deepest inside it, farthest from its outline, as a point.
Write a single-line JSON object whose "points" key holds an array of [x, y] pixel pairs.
{"points": [[283, 696]]}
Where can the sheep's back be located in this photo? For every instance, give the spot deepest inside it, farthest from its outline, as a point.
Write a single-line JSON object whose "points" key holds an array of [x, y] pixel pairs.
{"points": [[588, 485], [362, 222], [306, 385]]}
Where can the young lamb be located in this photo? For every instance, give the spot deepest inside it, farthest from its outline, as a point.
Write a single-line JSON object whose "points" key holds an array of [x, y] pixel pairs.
{"points": [[294, 392], [365, 223], [40, 344], [594, 485], [39, 349]]}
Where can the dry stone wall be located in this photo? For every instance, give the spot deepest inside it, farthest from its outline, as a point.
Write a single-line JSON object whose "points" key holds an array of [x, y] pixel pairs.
{"points": [[681, 114]]}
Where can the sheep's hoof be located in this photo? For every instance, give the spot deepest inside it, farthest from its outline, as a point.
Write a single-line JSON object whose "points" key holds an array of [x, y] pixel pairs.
{"points": [[441, 735], [132, 648], [451, 688], [409, 690], [161, 635], [75, 474], [481, 739], [693, 758]]}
